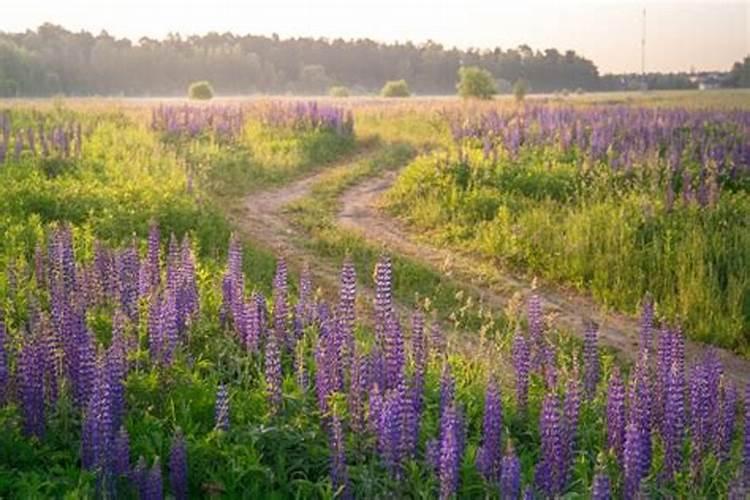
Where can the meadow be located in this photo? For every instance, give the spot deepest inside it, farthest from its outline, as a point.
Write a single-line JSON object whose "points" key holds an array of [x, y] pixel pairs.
{"points": [[150, 347]]}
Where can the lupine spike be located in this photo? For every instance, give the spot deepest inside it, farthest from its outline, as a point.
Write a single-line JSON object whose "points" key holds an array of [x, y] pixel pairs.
{"points": [[178, 479]]}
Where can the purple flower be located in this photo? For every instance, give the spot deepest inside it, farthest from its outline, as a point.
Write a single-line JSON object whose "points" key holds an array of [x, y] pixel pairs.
{"points": [[178, 467], [281, 305], [419, 355], [590, 361], [510, 481], [674, 421], [358, 388], [154, 486], [273, 373], [347, 306], [221, 409], [339, 474], [393, 346], [633, 459], [571, 413], [600, 489], [728, 412], [127, 275], [521, 363], [31, 387], [489, 455], [121, 453], [451, 452], [552, 446], [383, 296]]}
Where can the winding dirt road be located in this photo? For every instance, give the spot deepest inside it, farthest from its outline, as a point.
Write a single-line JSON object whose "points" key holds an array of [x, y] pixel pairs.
{"points": [[261, 218]]}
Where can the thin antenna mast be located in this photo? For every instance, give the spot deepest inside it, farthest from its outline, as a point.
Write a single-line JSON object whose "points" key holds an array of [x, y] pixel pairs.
{"points": [[643, 52]]}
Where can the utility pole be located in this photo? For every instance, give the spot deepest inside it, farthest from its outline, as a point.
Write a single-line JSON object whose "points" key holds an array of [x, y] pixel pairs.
{"points": [[643, 53]]}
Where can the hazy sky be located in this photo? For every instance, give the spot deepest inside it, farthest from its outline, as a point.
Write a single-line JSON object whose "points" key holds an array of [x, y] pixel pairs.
{"points": [[706, 34]]}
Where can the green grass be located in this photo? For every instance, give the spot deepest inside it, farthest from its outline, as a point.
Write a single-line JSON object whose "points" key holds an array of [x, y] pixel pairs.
{"points": [[604, 234]]}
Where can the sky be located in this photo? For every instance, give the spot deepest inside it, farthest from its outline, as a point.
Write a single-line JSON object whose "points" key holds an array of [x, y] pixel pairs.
{"points": [[700, 34]]}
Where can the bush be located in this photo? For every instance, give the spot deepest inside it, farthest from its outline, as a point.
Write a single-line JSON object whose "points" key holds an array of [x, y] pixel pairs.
{"points": [[201, 90], [338, 91], [520, 88], [475, 82], [395, 88]]}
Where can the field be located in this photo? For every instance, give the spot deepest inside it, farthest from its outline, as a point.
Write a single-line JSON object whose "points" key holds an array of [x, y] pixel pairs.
{"points": [[371, 298]]}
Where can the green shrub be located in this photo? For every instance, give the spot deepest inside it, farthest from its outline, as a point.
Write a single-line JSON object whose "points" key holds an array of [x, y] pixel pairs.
{"points": [[520, 88], [202, 91], [395, 88], [475, 82], [338, 91]]}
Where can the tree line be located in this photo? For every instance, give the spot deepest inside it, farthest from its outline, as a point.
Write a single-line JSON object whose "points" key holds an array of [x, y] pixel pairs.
{"points": [[52, 60]]}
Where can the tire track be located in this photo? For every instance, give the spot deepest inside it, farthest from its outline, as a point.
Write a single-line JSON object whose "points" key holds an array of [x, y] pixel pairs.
{"points": [[360, 212]]}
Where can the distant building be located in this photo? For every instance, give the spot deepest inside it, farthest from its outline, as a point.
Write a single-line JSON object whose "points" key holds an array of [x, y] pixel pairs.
{"points": [[708, 80]]}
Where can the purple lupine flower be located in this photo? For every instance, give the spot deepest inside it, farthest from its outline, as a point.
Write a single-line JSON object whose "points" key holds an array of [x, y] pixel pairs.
{"points": [[419, 355], [552, 446], [450, 452], [664, 366], [155, 330], [116, 371], [121, 453], [383, 296], [178, 467], [387, 410], [640, 397], [188, 298], [221, 409], [154, 486], [339, 474], [633, 459], [600, 489], [281, 305], [510, 480], [127, 273], [590, 361], [273, 373], [393, 347], [727, 414], [536, 332], [86, 368], [674, 421], [31, 387], [347, 306], [358, 388], [522, 365], [571, 414], [169, 327], [139, 477], [409, 421], [489, 455]]}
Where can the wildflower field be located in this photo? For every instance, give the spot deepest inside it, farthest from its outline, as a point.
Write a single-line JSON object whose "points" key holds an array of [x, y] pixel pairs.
{"points": [[151, 347]]}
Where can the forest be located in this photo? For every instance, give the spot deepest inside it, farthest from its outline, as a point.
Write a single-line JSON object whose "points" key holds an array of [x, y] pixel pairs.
{"points": [[52, 60]]}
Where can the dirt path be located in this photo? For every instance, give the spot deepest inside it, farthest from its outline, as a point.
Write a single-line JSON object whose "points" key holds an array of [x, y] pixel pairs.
{"points": [[359, 212]]}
